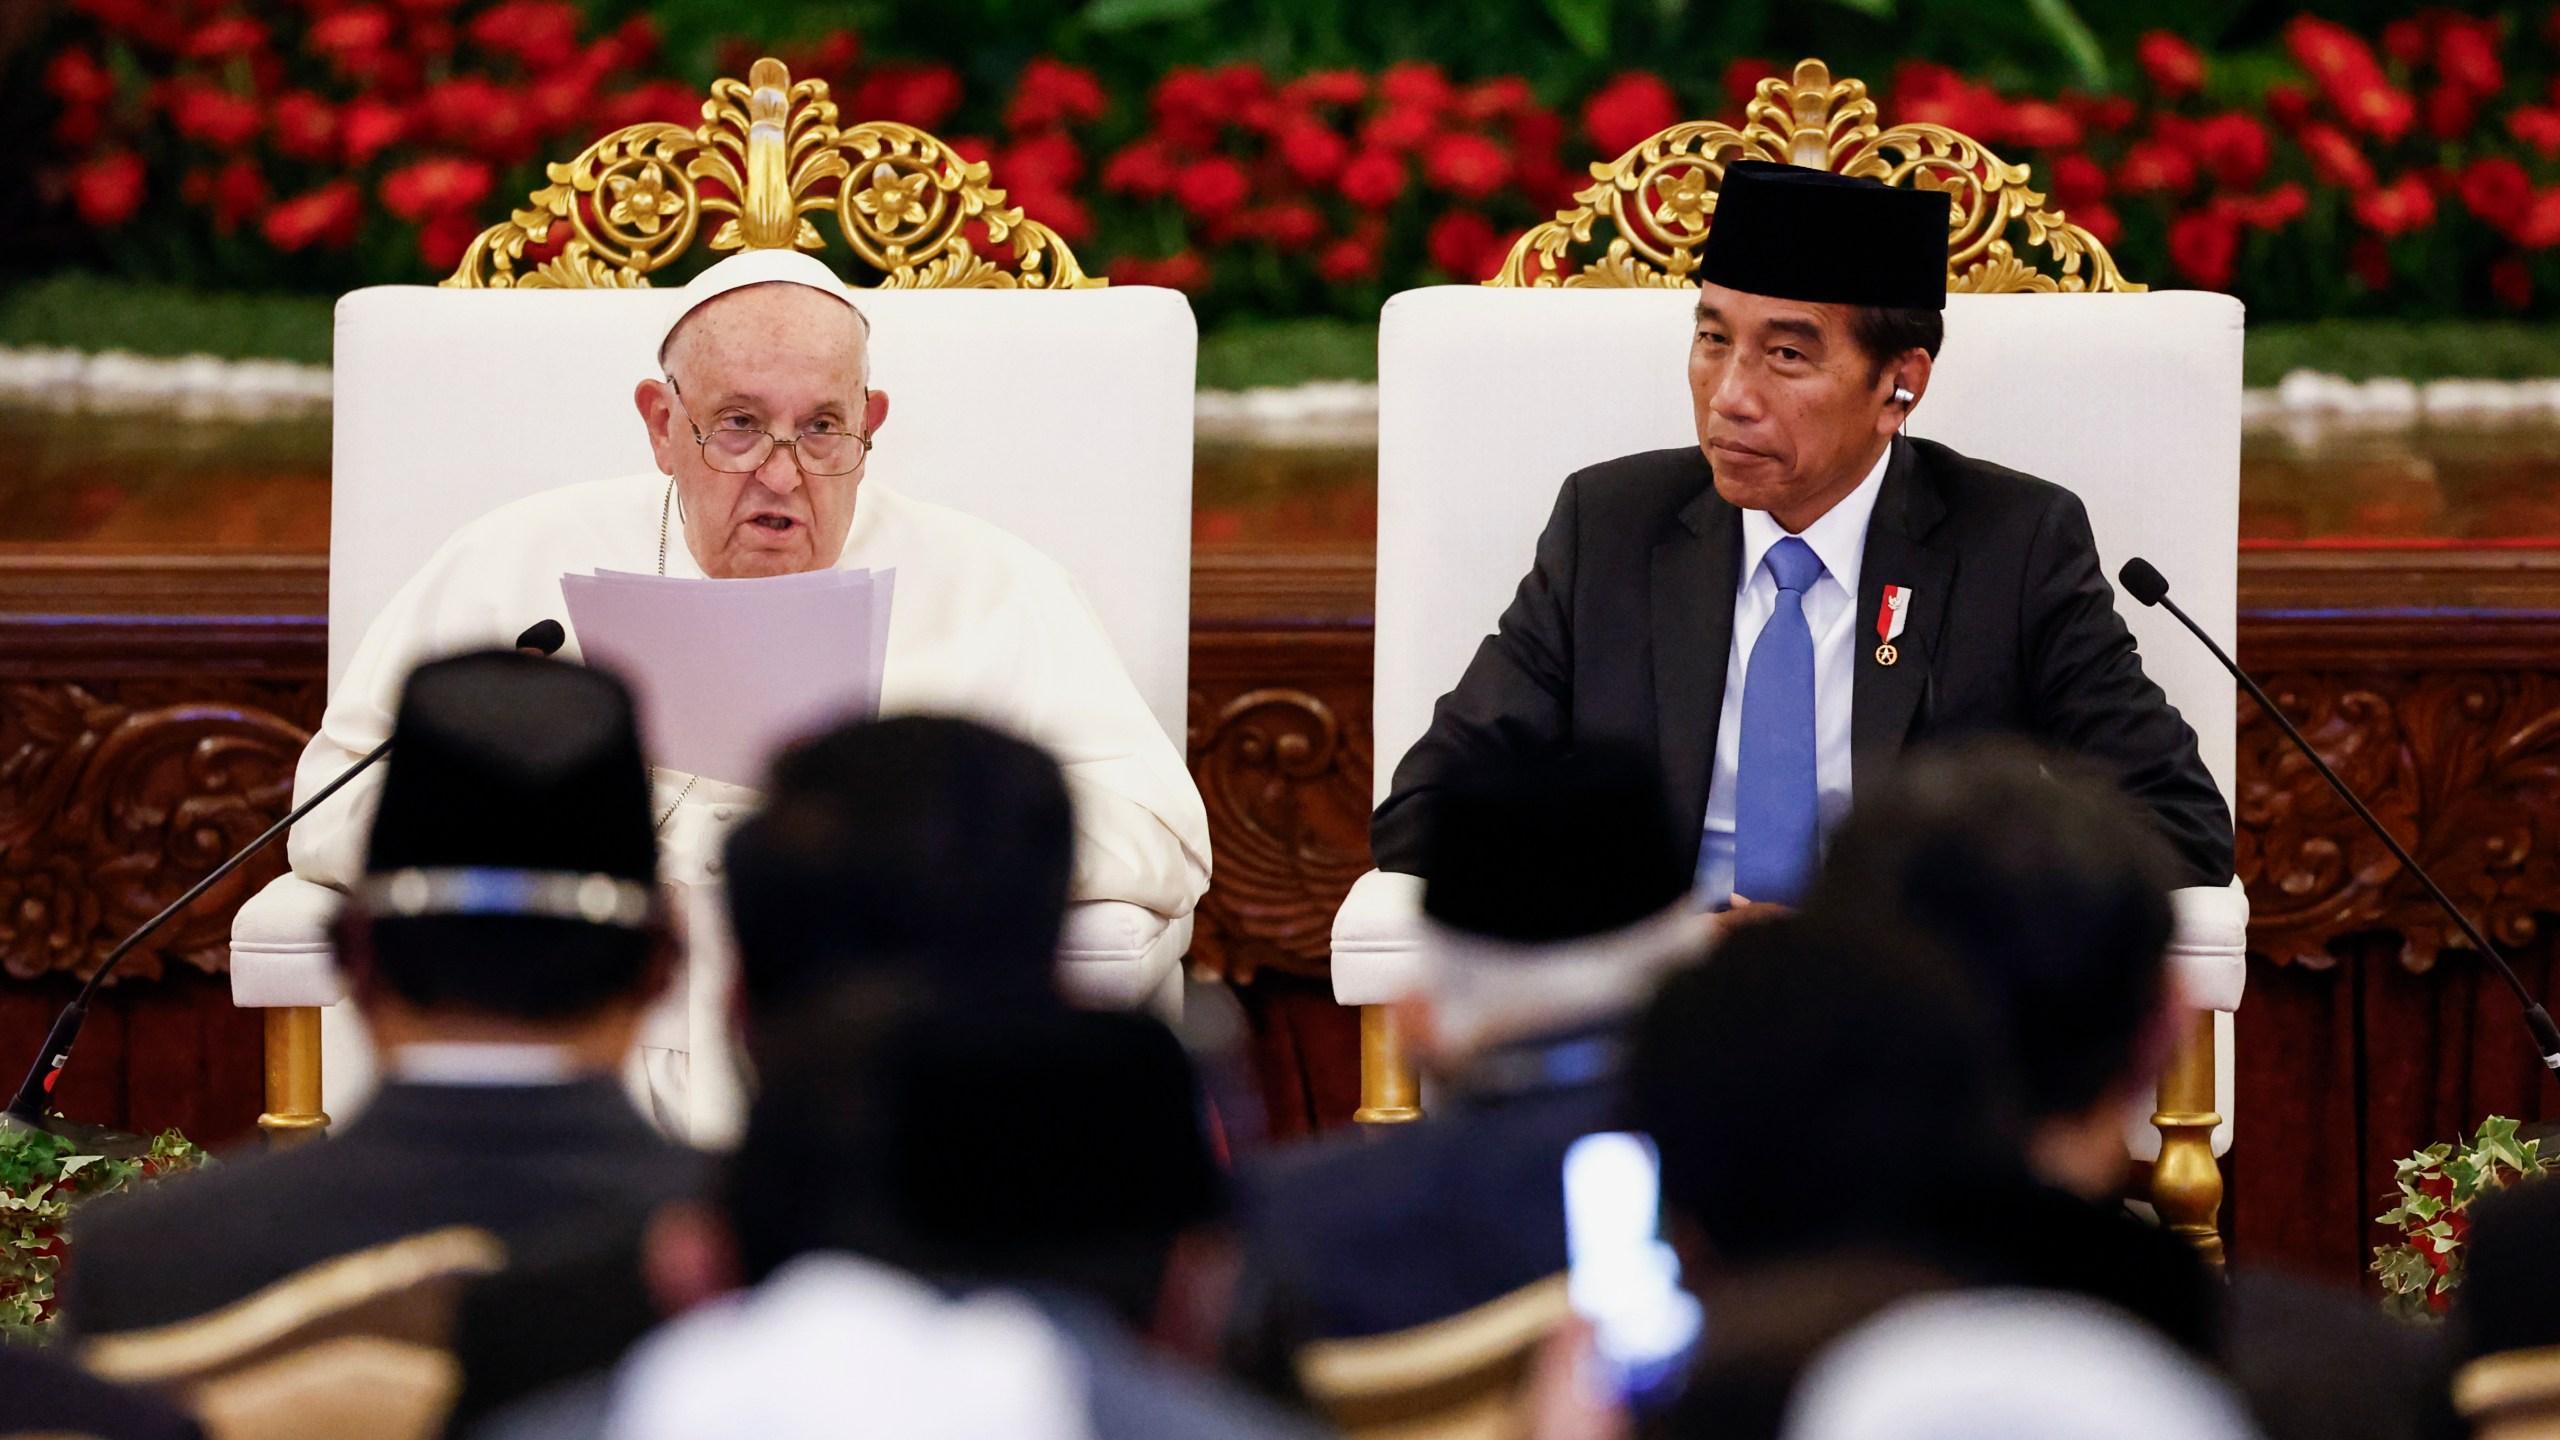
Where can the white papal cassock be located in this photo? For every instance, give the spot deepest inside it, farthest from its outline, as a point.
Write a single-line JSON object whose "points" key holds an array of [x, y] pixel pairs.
{"points": [[982, 625]]}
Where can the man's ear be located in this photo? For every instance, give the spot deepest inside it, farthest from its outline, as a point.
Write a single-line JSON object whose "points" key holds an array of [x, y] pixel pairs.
{"points": [[1909, 374], [876, 413], [656, 404]]}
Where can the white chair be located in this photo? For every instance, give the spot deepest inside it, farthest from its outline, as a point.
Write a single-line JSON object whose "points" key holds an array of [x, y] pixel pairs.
{"points": [[1062, 414], [1491, 395]]}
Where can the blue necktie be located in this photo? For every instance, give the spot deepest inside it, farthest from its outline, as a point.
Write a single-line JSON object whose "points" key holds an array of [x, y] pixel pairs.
{"points": [[1774, 805]]}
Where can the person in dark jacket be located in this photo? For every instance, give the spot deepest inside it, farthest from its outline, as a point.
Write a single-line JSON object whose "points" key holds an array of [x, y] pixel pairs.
{"points": [[1776, 613], [501, 952]]}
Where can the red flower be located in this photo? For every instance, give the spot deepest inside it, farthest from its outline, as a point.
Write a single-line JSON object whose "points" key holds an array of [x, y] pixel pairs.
{"points": [[1741, 80], [107, 189], [2370, 261], [1468, 165], [2155, 167], [2497, 190], [352, 31], [1497, 99], [1049, 163], [2233, 146], [1326, 87], [2336, 56], [1060, 210], [1417, 84], [2537, 126], [235, 195], [541, 33], [213, 115], [1183, 270], [2104, 114], [2467, 55], [2540, 227], [1372, 180], [443, 240], [2380, 111], [920, 95], [437, 185], [304, 126], [225, 36], [77, 80], [1344, 261], [2040, 125], [2335, 159], [2288, 104], [558, 104], [2272, 211], [2099, 219], [2405, 40], [1460, 242], [2078, 180], [2512, 283], [1937, 95], [1190, 106], [670, 101], [1145, 169], [1311, 150], [327, 216], [2174, 67], [1399, 127], [2204, 245], [2450, 111], [481, 115], [1052, 92], [368, 127], [1290, 225], [1211, 187], [2396, 209], [1628, 110]]}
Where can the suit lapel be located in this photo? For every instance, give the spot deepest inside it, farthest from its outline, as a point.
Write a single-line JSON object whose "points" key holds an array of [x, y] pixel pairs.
{"points": [[1884, 698], [1695, 568]]}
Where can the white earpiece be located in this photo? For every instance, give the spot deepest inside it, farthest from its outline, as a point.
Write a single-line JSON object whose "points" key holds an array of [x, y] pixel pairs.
{"points": [[1902, 396]]}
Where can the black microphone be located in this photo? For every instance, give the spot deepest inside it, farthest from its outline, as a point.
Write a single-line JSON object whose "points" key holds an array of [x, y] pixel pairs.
{"points": [[2145, 583], [28, 1106]]}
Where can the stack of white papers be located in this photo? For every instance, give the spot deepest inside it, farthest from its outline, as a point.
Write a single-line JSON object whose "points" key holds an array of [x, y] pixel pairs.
{"points": [[726, 672]]}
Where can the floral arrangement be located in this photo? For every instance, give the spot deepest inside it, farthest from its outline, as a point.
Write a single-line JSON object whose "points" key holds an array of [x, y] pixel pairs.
{"points": [[2437, 1187], [311, 144], [42, 1178]]}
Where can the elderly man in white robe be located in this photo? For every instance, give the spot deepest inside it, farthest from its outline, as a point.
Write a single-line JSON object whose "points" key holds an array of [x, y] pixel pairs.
{"points": [[761, 424]]}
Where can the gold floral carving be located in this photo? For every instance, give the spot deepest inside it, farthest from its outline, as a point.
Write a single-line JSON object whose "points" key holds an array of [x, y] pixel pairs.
{"points": [[767, 155], [1659, 198]]}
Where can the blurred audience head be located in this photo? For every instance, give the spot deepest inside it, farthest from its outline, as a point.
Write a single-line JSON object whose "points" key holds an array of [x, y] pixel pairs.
{"points": [[511, 878], [2010, 1363], [925, 843], [2048, 891], [1024, 1144], [1801, 1043], [1555, 894]]}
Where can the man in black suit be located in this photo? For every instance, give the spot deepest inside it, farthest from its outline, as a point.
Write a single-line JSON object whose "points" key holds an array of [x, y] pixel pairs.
{"points": [[502, 950], [1777, 613]]}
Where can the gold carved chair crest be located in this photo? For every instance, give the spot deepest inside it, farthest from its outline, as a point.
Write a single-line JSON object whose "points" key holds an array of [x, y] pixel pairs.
{"points": [[767, 156], [1659, 198]]}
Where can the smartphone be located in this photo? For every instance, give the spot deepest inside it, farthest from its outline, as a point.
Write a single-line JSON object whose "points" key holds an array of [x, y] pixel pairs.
{"points": [[1624, 1277]]}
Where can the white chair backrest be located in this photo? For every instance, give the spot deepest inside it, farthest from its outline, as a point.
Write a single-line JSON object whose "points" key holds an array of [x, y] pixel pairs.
{"points": [[1488, 398], [1061, 416]]}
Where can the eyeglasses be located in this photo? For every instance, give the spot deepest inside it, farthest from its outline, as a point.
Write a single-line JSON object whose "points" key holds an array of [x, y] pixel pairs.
{"points": [[743, 451]]}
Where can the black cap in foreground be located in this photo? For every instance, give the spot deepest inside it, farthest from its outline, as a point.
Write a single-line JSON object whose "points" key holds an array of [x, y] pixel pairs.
{"points": [[1548, 849], [1801, 234]]}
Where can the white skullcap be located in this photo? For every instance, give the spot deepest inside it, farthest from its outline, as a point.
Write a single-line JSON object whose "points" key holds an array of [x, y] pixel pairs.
{"points": [[754, 267], [2009, 1365]]}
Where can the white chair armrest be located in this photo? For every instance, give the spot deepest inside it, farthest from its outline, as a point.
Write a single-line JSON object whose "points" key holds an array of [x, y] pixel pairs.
{"points": [[1113, 955], [1377, 939], [280, 947], [2208, 950]]}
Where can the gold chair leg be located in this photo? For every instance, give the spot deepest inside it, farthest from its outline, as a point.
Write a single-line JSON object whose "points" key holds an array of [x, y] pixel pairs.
{"points": [[294, 1116], [1390, 1091], [2186, 1184]]}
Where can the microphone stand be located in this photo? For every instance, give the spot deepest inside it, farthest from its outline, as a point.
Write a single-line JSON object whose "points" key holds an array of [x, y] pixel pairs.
{"points": [[2145, 583], [27, 1109]]}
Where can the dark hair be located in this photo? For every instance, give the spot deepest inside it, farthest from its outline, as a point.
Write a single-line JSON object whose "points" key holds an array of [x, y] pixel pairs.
{"points": [[2039, 881], [923, 841], [992, 1142], [1796, 1033], [1886, 332], [526, 968]]}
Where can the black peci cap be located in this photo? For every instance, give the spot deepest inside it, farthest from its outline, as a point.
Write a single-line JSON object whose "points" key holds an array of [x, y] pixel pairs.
{"points": [[1802, 234], [1550, 849]]}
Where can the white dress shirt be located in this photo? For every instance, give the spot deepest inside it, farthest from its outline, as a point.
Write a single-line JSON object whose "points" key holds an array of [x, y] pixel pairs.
{"points": [[1839, 538]]}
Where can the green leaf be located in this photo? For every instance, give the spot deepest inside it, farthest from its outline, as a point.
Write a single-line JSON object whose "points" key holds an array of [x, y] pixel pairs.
{"points": [[1110, 15], [1584, 22], [2072, 36]]}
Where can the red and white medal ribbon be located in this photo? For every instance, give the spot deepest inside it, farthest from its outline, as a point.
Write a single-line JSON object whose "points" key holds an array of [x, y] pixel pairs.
{"points": [[1889, 621]]}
